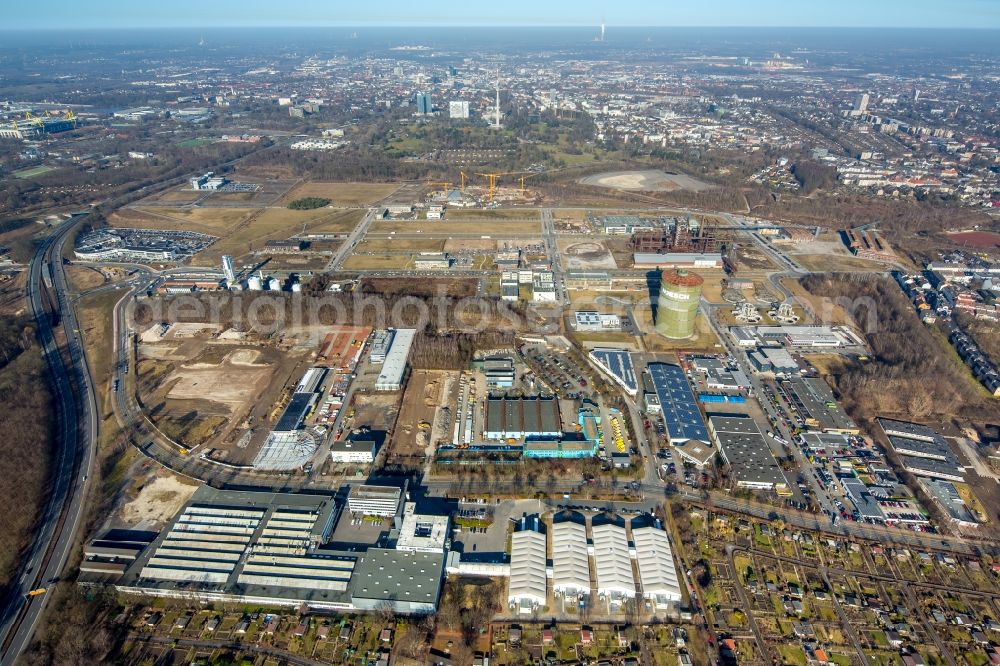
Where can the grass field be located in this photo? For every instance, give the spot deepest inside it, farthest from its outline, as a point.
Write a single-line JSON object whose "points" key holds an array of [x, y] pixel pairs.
{"points": [[215, 221], [337, 222], [342, 194], [360, 262], [606, 299], [836, 262], [570, 214], [405, 245], [33, 172], [445, 228], [269, 224], [195, 143], [180, 196], [493, 214]]}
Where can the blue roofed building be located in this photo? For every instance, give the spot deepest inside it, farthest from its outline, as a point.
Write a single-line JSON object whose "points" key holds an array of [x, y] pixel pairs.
{"points": [[678, 407], [617, 364]]}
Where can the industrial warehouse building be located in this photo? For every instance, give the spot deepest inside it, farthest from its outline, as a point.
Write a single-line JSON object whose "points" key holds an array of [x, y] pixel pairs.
{"points": [[655, 560], [381, 341], [775, 361], [288, 446], [618, 365], [677, 259], [498, 370], [520, 418], [922, 450], [745, 450], [720, 377], [560, 448], [612, 561], [353, 450], [677, 404], [819, 408], [543, 287], [268, 549], [696, 452], [374, 500], [570, 561], [527, 588], [396, 361], [591, 320], [421, 532]]}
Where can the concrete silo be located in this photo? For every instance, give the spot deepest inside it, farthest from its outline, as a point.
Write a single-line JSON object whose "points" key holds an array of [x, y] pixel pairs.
{"points": [[677, 305]]}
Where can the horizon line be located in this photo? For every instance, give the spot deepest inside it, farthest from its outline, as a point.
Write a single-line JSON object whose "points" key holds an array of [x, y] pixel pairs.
{"points": [[485, 25]]}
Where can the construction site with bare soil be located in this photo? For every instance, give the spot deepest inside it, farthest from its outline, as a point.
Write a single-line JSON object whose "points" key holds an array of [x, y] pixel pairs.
{"points": [[205, 388]]}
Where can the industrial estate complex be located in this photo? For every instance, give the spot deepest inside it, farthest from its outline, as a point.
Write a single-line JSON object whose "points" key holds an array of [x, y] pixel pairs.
{"points": [[442, 356]]}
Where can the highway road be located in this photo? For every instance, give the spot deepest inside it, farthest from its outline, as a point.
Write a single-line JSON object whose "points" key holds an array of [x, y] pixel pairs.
{"points": [[73, 460], [75, 398], [78, 429]]}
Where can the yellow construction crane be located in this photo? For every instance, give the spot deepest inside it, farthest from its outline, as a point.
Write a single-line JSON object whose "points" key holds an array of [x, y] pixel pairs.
{"points": [[35, 120], [492, 179], [523, 177], [462, 174], [446, 186]]}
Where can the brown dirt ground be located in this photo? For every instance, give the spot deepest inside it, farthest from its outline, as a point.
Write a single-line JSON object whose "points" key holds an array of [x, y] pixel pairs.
{"points": [[83, 278], [377, 411], [232, 382], [158, 500], [420, 403]]}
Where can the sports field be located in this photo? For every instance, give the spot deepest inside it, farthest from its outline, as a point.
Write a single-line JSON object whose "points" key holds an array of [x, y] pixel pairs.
{"points": [[195, 143], [33, 172]]}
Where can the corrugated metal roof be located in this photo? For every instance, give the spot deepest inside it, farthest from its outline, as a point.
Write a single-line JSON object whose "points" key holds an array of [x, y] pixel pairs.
{"points": [[654, 557], [570, 561], [614, 567], [527, 567]]}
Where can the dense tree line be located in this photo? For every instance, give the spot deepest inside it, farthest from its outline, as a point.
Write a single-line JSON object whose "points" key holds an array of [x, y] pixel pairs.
{"points": [[812, 176], [78, 627], [308, 203], [911, 374], [26, 422]]}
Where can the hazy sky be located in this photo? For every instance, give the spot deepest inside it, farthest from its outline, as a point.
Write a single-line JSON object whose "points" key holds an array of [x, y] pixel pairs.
{"points": [[210, 13]]}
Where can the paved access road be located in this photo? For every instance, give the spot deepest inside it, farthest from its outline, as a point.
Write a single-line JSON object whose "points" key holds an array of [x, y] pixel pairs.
{"points": [[73, 460], [75, 397]]}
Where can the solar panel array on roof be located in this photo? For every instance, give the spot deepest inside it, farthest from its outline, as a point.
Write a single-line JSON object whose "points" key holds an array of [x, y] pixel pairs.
{"points": [[618, 364], [295, 412], [677, 403]]}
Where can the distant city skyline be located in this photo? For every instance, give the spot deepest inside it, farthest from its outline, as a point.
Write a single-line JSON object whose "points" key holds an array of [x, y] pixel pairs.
{"points": [[64, 14]]}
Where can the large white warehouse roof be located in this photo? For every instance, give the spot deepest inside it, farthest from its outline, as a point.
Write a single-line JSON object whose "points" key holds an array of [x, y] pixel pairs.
{"points": [[656, 564], [614, 568], [570, 561], [527, 569], [394, 366]]}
